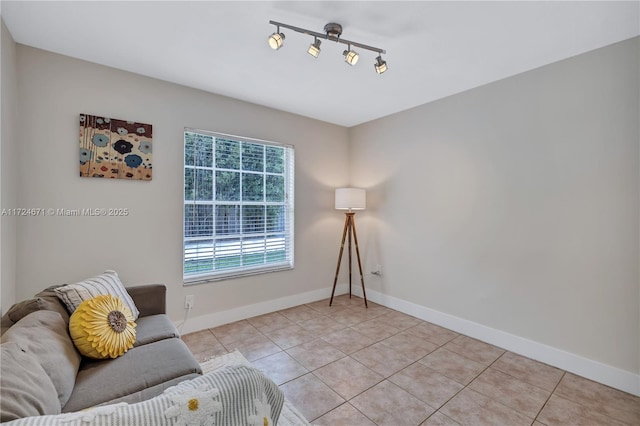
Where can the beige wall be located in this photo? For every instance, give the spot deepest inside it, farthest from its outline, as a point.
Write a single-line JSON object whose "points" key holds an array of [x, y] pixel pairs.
{"points": [[146, 246], [8, 148], [516, 205]]}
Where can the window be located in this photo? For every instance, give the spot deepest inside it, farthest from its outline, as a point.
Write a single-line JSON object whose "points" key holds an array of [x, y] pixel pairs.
{"points": [[238, 206]]}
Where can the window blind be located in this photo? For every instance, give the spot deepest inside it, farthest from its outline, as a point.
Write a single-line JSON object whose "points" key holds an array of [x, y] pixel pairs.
{"points": [[238, 206]]}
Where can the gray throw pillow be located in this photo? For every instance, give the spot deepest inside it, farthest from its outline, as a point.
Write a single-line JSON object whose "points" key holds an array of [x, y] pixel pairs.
{"points": [[26, 388], [38, 303], [43, 335]]}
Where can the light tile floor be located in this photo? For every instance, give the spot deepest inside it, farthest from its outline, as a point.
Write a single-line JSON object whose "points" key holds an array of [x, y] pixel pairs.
{"points": [[347, 365]]}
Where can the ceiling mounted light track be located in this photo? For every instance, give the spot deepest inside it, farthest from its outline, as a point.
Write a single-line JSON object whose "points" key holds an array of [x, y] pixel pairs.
{"points": [[332, 32]]}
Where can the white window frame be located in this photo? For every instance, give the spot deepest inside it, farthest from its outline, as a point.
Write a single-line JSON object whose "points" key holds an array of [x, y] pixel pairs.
{"points": [[245, 270]]}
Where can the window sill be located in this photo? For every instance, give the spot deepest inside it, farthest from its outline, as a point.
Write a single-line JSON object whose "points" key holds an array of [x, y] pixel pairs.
{"points": [[220, 276]]}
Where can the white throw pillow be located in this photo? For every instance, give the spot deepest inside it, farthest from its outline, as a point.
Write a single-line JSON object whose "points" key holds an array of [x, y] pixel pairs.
{"points": [[72, 295]]}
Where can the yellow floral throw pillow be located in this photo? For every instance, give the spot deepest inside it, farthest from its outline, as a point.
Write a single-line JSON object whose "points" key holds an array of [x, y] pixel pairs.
{"points": [[102, 327]]}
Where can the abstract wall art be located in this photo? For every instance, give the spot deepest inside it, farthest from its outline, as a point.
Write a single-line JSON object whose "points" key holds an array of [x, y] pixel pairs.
{"points": [[116, 149]]}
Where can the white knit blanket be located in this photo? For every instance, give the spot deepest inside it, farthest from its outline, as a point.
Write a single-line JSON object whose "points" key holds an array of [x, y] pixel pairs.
{"points": [[289, 416]]}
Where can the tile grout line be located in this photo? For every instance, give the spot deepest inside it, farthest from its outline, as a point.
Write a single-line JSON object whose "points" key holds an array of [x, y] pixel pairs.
{"points": [[358, 312], [345, 401], [401, 330], [412, 363], [467, 385], [549, 397]]}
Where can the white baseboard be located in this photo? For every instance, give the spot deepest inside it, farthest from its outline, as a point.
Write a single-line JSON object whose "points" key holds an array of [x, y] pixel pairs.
{"points": [[593, 370], [243, 312]]}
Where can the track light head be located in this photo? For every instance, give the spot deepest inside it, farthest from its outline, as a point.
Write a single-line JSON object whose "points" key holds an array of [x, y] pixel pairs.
{"points": [[276, 40], [314, 48], [380, 65], [350, 56]]}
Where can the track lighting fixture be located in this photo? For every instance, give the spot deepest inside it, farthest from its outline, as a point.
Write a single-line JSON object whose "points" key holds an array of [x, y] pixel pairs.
{"points": [[380, 65], [314, 48], [333, 32]]}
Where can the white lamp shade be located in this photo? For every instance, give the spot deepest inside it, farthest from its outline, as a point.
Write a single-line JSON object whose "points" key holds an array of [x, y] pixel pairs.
{"points": [[351, 199]]}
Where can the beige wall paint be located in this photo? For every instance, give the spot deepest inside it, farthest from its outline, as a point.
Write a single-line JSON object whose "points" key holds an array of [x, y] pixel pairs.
{"points": [[8, 149], [516, 205], [146, 246]]}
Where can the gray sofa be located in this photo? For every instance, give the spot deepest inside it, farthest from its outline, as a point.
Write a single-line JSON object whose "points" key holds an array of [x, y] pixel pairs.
{"points": [[158, 360]]}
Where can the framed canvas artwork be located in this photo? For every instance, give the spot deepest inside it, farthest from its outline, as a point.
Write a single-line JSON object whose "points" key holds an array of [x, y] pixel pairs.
{"points": [[115, 149]]}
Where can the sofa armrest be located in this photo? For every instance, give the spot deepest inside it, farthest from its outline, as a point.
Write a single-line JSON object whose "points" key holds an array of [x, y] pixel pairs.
{"points": [[150, 299]]}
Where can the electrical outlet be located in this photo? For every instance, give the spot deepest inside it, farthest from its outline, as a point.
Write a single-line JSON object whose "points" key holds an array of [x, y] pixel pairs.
{"points": [[377, 271], [189, 301]]}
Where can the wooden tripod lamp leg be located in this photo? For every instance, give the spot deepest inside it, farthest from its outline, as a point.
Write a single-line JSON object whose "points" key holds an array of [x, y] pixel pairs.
{"points": [[350, 220], [355, 239], [344, 236]]}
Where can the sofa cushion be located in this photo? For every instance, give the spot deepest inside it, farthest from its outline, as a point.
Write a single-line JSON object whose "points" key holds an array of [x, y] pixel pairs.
{"points": [[102, 327], [99, 381], [26, 389], [153, 328], [150, 299], [150, 392], [233, 396], [72, 295], [5, 324], [46, 300], [43, 335]]}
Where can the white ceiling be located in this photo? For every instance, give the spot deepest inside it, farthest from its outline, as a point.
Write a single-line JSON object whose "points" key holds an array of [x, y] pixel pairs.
{"points": [[434, 49]]}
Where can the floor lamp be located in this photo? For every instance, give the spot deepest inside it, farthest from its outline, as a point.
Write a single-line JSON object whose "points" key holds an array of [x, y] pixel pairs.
{"points": [[350, 199]]}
